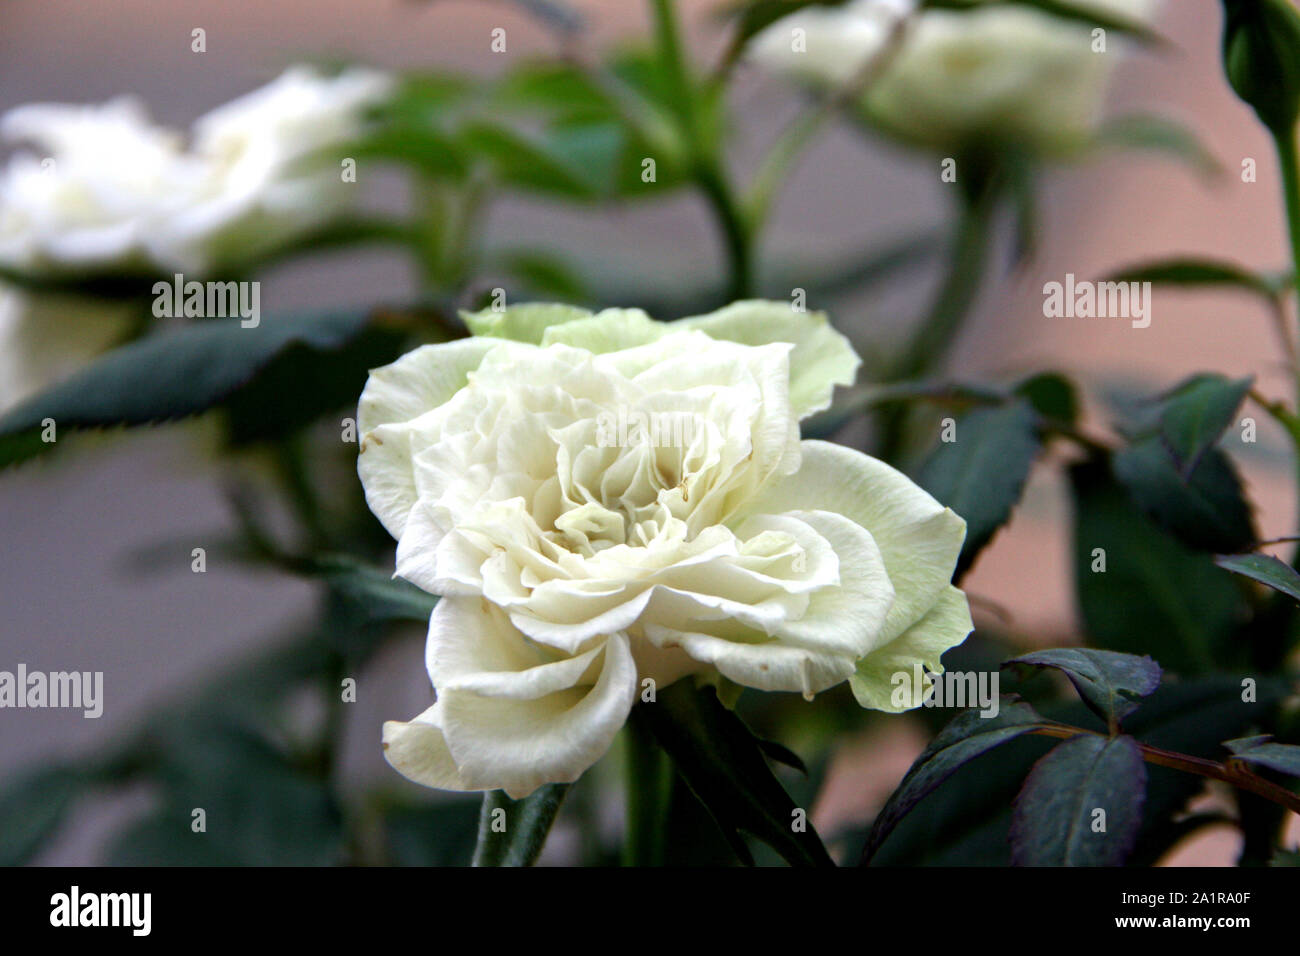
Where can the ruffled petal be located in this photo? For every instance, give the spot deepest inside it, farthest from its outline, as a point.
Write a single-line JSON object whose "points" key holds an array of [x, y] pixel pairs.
{"points": [[886, 679], [822, 358], [919, 538], [416, 383]]}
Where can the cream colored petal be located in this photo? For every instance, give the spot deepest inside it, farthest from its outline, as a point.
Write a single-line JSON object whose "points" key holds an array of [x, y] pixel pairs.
{"points": [[472, 646], [769, 665], [517, 745], [418, 751], [918, 537], [822, 357], [421, 380], [886, 678]]}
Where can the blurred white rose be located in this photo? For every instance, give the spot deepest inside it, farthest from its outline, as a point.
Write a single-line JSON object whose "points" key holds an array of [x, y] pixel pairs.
{"points": [[103, 188], [94, 191], [613, 500], [267, 173], [1008, 71]]}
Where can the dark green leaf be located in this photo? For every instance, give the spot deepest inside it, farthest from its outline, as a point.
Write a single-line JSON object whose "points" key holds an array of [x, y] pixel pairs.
{"points": [[1265, 569], [434, 834], [375, 593], [780, 753], [966, 821], [1285, 858], [981, 474], [1261, 57], [966, 737], [722, 762], [1052, 395], [260, 809], [1284, 758], [177, 374], [1194, 416], [1107, 681], [1154, 595], [31, 808], [1205, 510], [1189, 271], [515, 836], [1056, 814]]}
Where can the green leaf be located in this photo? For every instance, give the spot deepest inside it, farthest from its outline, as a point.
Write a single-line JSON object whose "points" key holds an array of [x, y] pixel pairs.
{"points": [[1107, 681], [967, 820], [1055, 814], [1205, 510], [1261, 56], [376, 594], [526, 162], [966, 737], [1265, 569], [1052, 395], [32, 806], [433, 834], [515, 835], [1285, 858], [177, 374], [981, 474], [722, 763], [1192, 271], [1195, 414], [260, 809], [1154, 596], [1261, 750], [1158, 134]]}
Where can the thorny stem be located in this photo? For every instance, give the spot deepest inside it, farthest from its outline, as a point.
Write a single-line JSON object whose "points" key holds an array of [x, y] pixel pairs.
{"points": [[1233, 772]]}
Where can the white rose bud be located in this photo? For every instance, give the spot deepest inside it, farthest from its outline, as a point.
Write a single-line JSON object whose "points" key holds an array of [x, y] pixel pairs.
{"points": [[604, 498], [1010, 72]]}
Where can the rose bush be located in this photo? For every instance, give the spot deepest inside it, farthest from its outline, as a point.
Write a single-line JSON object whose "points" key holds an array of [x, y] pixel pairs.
{"points": [[579, 558]]}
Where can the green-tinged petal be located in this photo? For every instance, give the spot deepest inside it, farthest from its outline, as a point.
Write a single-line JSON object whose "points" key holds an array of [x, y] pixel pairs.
{"points": [[822, 357], [418, 382], [886, 678], [527, 322], [918, 537], [607, 331]]}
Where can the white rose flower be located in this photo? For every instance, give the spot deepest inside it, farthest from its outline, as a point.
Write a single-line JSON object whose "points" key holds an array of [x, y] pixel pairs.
{"points": [[1008, 71], [106, 189], [267, 175], [613, 499], [91, 195]]}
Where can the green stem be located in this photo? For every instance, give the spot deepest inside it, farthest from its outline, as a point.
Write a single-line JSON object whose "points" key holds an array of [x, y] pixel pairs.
{"points": [[1289, 164], [934, 337], [1234, 772], [513, 832], [707, 167], [649, 779], [736, 232], [953, 302]]}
